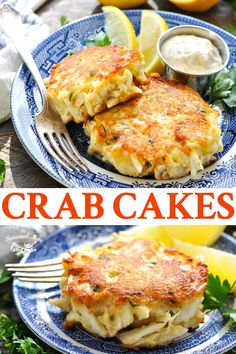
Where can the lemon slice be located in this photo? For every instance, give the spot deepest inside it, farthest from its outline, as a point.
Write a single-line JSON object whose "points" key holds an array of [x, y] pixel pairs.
{"points": [[123, 4], [219, 262], [195, 5], [204, 235], [119, 28], [154, 233], [152, 27]]}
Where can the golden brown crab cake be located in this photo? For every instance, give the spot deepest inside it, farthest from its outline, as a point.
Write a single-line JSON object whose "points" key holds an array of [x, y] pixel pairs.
{"points": [[168, 131], [93, 79], [136, 290]]}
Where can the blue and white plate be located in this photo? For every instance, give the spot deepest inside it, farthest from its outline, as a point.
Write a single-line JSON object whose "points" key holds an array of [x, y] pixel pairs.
{"points": [[46, 321], [25, 102]]}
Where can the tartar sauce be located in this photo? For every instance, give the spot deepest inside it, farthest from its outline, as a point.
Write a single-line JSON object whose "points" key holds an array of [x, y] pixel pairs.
{"points": [[191, 54]]}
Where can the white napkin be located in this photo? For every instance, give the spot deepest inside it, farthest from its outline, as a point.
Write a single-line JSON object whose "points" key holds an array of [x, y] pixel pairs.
{"points": [[35, 31]]}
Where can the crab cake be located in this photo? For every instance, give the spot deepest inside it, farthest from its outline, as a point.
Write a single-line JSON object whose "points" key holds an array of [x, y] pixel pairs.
{"points": [[169, 131], [138, 291], [93, 79]]}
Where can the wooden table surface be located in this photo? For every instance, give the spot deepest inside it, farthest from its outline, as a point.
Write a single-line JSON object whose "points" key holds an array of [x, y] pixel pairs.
{"points": [[22, 171]]}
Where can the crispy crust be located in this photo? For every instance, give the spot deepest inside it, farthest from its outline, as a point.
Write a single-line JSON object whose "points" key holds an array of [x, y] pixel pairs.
{"points": [[168, 120], [139, 271], [94, 79], [95, 62]]}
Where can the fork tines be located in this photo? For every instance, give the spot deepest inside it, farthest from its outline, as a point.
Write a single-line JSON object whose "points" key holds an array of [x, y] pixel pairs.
{"points": [[45, 271]]}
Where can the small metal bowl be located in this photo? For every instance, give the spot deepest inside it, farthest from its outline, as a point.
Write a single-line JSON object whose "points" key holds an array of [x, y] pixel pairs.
{"points": [[198, 81]]}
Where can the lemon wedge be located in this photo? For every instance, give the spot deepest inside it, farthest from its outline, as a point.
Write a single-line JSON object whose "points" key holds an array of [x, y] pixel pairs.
{"points": [[123, 4], [154, 233], [119, 28], [219, 262], [152, 27], [204, 235], [195, 5]]}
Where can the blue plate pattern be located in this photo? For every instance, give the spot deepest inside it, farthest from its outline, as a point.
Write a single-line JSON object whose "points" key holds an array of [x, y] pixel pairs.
{"points": [[46, 321], [25, 102]]}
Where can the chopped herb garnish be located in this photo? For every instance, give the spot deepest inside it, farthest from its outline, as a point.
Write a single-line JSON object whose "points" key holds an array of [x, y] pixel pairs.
{"points": [[101, 40], [95, 288], [91, 73], [2, 169], [64, 20], [151, 142], [200, 108], [132, 304], [172, 313], [115, 138], [148, 164], [70, 96], [72, 52], [151, 264]]}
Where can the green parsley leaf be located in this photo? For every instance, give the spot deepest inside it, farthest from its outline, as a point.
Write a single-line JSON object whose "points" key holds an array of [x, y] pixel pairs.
{"points": [[229, 313], [64, 20], [6, 298], [70, 96], [14, 336], [96, 288], [216, 293], [231, 99], [132, 304], [72, 52], [230, 28], [29, 346], [233, 4], [200, 108], [222, 87], [4, 275], [2, 169], [101, 40]]}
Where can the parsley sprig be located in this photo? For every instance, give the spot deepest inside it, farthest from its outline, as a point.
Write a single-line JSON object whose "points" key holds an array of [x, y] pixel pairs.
{"points": [[4, 275], [101, 40], [216, 296], [233, 4], [2, 170], [230, 28], [64, 20], [15, 337], [223, 87]]}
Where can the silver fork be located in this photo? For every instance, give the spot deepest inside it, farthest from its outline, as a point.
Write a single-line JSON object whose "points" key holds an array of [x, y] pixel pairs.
{"points": [[48, 271], [50, 128]]}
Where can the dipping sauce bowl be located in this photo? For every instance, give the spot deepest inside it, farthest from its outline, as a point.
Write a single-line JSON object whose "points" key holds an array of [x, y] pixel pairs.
{"points": [[198, 81]]}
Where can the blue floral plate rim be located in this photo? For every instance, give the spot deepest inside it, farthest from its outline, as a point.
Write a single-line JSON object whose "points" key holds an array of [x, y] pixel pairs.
{"points": [[38, 316], [218, 175]]}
